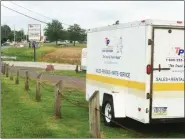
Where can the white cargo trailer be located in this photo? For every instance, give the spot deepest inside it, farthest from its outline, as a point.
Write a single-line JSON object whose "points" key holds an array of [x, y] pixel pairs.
{"points": [[84, 59], [138, 68]]}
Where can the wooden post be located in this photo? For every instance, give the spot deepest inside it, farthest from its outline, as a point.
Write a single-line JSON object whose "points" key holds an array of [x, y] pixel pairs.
{"points": [[17, 78], [94, 115], [4, 68], [26, 87], [38, 95], [11, 74], [7, 70], [76, 69], [58, 101]]}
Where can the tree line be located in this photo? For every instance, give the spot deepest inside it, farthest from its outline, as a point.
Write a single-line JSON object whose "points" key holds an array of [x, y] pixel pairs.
{"points": [[54, 32], [8, 34]]}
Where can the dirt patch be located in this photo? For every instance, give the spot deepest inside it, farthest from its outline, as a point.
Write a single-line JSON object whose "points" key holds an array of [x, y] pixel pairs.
{"points": [[63, 55]]}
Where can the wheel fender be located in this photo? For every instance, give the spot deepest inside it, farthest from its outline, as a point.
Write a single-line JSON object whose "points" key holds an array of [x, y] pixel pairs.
{"points": [[118, 103]]}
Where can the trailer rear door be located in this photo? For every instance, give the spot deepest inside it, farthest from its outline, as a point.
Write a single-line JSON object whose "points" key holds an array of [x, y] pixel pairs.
{"points": [[168, 73]]}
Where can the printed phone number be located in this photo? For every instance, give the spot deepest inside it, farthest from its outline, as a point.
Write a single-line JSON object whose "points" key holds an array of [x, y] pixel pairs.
{"points": [[115, 73], [174, 60]]}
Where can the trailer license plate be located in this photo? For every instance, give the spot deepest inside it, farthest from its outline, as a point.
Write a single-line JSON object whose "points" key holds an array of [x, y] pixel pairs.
{"points": [[160, 110]]}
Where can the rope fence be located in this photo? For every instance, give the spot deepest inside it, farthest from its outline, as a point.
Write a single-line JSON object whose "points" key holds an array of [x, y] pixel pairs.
{"points": [[94, 106]]}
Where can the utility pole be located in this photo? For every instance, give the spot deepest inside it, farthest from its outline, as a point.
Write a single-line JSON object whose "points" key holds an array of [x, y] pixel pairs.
{"points": [[14, 35], [22, 34], [5, 32]]}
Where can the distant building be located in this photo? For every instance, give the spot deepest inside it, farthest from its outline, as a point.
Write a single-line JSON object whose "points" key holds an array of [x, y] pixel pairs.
{"points": [[43, 38]]}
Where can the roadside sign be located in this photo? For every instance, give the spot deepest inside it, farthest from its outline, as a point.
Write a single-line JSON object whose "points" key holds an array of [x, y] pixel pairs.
{"points": [[34, 32]]}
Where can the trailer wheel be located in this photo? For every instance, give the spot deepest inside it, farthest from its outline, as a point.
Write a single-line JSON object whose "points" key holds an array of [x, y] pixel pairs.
{"points": [[108, 113]]}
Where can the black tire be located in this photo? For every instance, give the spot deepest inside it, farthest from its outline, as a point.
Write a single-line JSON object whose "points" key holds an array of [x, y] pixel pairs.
{"points": [[108, 121]]}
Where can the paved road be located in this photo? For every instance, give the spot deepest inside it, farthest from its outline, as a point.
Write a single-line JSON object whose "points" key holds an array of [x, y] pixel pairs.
{"points": [[5, 47], [42, 65], [72, 82]]}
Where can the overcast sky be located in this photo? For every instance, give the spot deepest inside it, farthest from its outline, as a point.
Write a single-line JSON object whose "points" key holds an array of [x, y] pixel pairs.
{"points": [[90, 14]]}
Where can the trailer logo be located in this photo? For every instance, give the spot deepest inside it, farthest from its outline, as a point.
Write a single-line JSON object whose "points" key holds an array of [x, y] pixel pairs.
{"points": [[175, 59], [115, 45], [107, 41], [179, 51]]}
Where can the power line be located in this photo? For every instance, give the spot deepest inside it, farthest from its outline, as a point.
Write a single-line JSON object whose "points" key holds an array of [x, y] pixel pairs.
{"points": [[24, 14], [35, 12], [30, 10]]}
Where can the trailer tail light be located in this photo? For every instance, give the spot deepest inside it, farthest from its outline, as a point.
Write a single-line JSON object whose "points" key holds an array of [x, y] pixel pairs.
{"points": [[139, 109], [179, 22], [148, 69]]}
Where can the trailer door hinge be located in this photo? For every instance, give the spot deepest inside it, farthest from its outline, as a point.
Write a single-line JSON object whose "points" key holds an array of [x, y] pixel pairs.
{"points": [[148, 96], [150, 41]]}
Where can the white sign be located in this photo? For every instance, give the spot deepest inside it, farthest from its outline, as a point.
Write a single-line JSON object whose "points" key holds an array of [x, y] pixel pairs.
{"points": [[34, 32]]}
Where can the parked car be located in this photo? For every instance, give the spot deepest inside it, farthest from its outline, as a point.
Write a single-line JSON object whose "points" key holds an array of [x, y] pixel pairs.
{"points": [[62, 43]]}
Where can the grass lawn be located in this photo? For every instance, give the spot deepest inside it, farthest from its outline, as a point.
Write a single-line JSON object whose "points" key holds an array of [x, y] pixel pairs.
{"points": [[26, 54], [68, 45], [48, 52], [65, 73], [22, 116]]}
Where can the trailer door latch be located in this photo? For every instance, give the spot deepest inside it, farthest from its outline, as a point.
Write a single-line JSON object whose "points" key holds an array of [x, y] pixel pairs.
{"points": [[150, 41], [148, 95]]}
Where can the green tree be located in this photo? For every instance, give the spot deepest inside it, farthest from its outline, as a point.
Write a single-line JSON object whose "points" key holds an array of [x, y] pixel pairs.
{"points": [[54, 31], [83, 35], [5, 33], [74, 33], [11, 36], [8, 34], [19, 35], [65, 35]]}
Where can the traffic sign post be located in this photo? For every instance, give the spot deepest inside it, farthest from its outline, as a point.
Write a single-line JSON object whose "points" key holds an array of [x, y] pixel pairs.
{"points": [[34, 54], [34, 34]]}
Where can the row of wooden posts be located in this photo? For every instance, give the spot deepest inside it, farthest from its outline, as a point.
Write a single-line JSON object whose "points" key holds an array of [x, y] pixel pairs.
{"points": [[94, 113], [6, 70]]}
